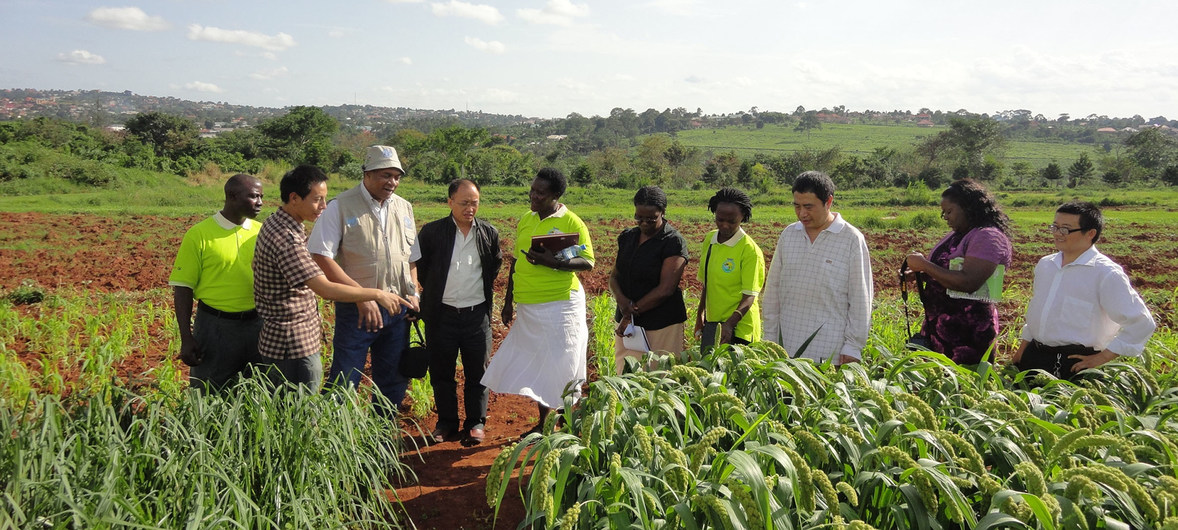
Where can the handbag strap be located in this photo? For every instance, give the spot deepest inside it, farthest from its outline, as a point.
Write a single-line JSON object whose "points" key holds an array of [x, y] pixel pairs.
{"points": [[707, 260]]}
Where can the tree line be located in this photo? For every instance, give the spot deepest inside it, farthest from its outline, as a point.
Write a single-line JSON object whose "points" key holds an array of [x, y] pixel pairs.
{"points": [[625, 150]]}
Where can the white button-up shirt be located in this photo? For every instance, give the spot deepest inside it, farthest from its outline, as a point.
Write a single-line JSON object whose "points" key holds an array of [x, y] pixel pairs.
{"points": [[1089, 302], [824, 286], [464, 282]]}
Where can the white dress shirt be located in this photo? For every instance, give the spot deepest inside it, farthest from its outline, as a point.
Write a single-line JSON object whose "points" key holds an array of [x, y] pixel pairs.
{"points": [[1089, 302], [464, 282], [825, 286]]}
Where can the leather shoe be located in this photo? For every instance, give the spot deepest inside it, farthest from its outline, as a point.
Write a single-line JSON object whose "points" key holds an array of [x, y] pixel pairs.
{"points": [[444, 435], [476, 435]]}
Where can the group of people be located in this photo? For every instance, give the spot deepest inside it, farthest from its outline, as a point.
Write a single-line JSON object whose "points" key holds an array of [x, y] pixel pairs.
{"points": [[256, 312], [816, 299]]}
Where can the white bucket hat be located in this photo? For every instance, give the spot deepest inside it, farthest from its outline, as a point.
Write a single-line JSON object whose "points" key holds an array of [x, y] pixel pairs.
{"points": [[380, 157]]}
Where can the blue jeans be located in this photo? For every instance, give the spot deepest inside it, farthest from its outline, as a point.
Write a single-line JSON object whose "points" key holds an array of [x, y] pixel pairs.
{"points": [[352, 345]]}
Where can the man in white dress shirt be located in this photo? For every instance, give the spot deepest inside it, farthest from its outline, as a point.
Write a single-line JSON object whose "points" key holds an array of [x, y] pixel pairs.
{"points": [[458, 258], [819, 283], [1083, 311]]}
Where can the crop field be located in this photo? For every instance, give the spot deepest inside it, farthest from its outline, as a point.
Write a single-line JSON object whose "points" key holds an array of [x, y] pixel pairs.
{"points": [[105, 434], [861, 139]]}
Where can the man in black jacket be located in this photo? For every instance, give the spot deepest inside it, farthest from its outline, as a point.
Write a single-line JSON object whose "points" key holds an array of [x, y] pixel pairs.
{"points": [[458, 258]]}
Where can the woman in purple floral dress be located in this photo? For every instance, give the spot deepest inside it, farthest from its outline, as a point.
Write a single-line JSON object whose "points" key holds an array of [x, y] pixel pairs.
{"points": [[957, 288]]}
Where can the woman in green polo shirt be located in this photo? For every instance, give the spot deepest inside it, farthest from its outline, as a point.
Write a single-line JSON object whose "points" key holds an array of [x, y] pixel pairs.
{"points": [[732, 269], [544, 353]]}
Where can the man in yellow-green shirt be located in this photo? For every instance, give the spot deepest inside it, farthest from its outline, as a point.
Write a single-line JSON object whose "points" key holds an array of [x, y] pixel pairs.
{"points": [[214, 266]]}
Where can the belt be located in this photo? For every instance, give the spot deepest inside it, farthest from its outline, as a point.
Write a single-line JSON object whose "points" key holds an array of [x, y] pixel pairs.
{"points": [[241, 315], [460, 310]]}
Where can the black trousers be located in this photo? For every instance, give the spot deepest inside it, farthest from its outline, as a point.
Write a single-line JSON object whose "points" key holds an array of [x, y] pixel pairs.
{"points": [[447, 335], [1053, 359]]}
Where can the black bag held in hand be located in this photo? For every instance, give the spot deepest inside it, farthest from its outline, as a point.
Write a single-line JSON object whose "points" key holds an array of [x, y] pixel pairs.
{"points": [[415, 359]]}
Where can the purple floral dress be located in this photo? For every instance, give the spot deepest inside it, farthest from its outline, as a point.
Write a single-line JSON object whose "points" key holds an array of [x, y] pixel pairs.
{"points": [[962, 329]]}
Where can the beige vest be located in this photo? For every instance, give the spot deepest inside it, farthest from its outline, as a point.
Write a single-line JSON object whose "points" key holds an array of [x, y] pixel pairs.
{"points": [[374, 255]]}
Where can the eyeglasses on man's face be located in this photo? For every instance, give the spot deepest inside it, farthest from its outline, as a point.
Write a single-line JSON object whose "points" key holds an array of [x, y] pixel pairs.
{"points": [[1062, 230]]}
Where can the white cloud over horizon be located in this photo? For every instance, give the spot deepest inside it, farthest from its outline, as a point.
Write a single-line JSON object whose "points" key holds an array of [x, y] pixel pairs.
{"points": [[274, 43], [555, 12], [456, 8], [80, 57], [129, 18], [495, 47], [201, 86]]}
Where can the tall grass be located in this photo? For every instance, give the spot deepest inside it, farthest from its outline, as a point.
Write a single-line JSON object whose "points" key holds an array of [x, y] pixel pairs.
{"points": [[250, 458]]}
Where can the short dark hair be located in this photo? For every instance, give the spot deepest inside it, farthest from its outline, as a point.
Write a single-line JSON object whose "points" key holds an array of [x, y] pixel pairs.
{"points": [[815, 182], [1090, 216], [239, 182], [651, 196], [980, 207], [557, 183], [456, 184], [299, 181], [734, 196]]}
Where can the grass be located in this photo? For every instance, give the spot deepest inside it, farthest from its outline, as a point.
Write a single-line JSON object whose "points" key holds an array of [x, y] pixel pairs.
{"points": [[861, 139]]}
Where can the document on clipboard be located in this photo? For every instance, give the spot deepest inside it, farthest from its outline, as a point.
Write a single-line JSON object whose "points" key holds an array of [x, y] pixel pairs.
{"points": [[556, 242], [634, 338]]}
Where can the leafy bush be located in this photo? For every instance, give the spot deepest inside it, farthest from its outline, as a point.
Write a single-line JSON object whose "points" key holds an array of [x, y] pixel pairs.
{"points": [[27, 293]]}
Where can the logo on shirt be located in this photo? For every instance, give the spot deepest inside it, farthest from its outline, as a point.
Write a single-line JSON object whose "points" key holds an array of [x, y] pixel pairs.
{"points": [[729, 265], [352, 221], [408, 223]]}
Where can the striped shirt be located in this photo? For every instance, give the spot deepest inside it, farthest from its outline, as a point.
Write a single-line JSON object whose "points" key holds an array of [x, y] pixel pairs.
{"points": [[291, 326]]}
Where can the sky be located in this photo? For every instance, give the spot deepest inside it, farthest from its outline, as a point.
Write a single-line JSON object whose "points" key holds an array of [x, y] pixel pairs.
{"points": [[550, 58]]}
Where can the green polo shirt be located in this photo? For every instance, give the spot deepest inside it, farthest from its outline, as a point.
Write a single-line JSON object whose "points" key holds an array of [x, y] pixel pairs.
{"points": [[736, 268], [215, 261], [537, 284]]}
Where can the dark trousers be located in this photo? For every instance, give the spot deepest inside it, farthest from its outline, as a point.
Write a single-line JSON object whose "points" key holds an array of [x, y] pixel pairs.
{"points": [[225, 346], [448, 334], [1053, 359]]}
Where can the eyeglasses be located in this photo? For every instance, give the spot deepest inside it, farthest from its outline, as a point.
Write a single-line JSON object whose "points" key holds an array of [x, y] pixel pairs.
{"points": [[1062, 230], [468, 204], [641, 219]]}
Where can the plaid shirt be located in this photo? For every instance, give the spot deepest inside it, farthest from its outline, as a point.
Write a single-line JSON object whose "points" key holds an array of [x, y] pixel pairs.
{"points": [[291, 326]]}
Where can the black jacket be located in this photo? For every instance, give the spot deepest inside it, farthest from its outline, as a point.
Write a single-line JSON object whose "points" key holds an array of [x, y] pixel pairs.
{"points": [[436, 240]]}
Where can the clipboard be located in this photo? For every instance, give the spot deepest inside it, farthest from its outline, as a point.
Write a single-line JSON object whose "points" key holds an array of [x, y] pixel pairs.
{"points": [[555, 242], [634, 338]]}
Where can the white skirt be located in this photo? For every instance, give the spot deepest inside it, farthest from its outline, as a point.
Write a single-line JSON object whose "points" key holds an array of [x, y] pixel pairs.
{"points": [[543, 353]]}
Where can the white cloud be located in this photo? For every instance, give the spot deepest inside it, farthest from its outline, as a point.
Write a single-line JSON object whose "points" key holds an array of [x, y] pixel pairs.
{"points": [[131, 18], [201, 86], [276, 43], [404, 1], [270, 73], [269, 55], [455, 8], [675, 7], [80, 57], [489, 47], [406, 60], [556, 12]]}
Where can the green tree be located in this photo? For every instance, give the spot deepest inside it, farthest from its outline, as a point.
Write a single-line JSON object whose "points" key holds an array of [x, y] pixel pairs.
{"points": [[170, 136], [1151, 148], [1079, 170], [1170, 175], [302, 135], [1052, 172], [808, 122], [1112, 178]]}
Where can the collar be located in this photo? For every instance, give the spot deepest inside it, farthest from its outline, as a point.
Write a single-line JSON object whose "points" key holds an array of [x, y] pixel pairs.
{"points": [[1085, 259], [283, 217], [228, 225], [836, 226], [474, 223], [732, 241], [561, 211], [372, 199]]}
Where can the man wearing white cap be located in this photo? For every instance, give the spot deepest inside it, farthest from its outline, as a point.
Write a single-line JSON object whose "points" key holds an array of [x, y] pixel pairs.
{"points": [[364, 239]]}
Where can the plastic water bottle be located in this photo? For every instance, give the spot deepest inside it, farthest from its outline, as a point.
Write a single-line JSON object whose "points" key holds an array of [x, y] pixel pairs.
{"points": [[570, 252]]}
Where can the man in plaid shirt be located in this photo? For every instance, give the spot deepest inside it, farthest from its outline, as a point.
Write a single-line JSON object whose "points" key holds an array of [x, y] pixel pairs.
{"points": [[286, 281]]}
